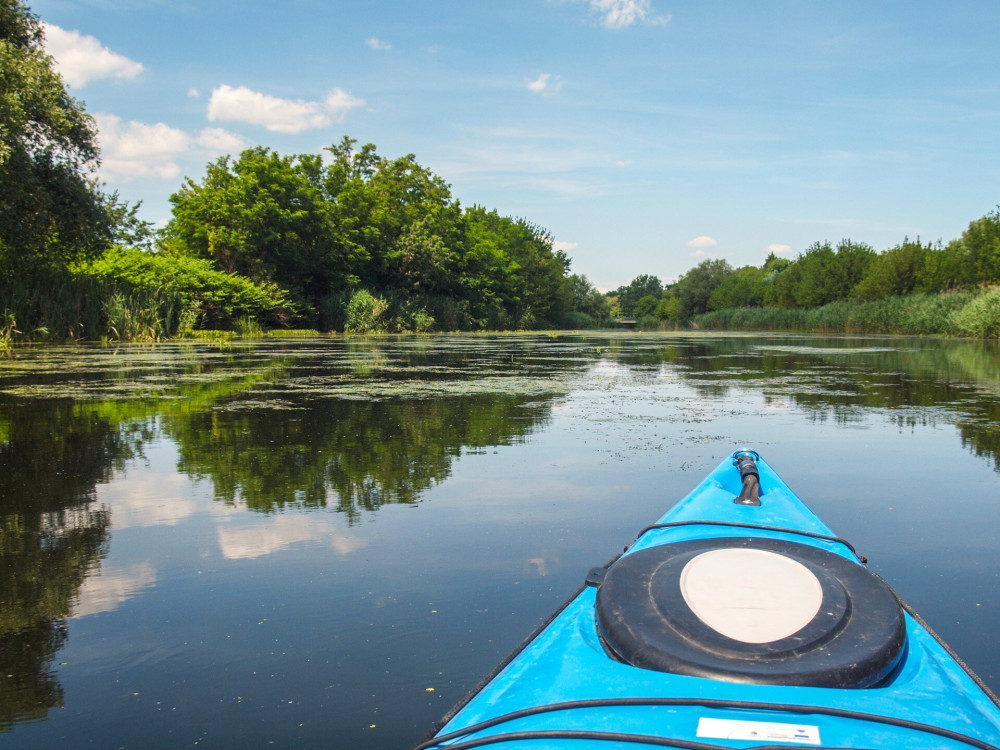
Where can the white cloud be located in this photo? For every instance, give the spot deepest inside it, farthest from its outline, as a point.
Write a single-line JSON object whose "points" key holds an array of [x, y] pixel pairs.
{"points": [[377, 44], [80, 59], [619, 14], [217, 141], [566, 247], [132, 150], [623, 163], [194, 93], [136, 149], [278, 115], [779, 249], [338, 103], [544, 84], [702, 243]]}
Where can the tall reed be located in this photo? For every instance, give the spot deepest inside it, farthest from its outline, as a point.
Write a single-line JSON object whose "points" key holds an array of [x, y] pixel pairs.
{"points": [[916, 314]]}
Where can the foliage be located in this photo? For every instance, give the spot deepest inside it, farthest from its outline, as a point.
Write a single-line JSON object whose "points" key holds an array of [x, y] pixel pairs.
{"points": [[185, 287], [981, 242], [980, 317], [893, 273], [916, 314], [820, 275], [694, 289], [668, 308], [642, 286], [51, 212], [588, 300], [365, 313], [389, 226]]}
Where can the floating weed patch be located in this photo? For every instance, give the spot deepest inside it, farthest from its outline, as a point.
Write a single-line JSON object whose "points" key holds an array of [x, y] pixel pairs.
{"points": [[293, 333]]}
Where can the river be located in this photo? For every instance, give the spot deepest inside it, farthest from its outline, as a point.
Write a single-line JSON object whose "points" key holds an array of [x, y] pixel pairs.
{"points": [[325, 543]]}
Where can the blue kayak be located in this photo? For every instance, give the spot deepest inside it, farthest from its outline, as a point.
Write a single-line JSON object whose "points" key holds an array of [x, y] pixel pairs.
{"points": [[738, 620]]}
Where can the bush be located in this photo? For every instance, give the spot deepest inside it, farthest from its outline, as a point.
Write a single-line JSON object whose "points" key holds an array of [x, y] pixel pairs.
{"points": [[182, 287], [364, 313], [576, 320], [980, 317]]}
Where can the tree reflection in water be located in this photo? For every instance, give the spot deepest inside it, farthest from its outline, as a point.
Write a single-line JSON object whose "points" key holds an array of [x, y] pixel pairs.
{"points": [[351, 426]]}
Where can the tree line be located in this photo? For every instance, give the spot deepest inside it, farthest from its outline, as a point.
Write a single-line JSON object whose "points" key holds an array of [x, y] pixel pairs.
{"points": [[345, 240], [824, 274], [350, 240]]}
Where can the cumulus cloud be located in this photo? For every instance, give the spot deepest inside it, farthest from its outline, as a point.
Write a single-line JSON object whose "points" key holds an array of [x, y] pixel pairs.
{"points": [[377, 44], [133, 150], [338, 103], [620, 14], [704, 242], [566, 247], [217, 141], [80, 59], [779, 249], [546, 83], [241, 104]]}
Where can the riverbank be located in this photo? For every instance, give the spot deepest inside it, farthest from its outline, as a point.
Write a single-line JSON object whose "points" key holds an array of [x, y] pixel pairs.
{"points": [[974, 314]]}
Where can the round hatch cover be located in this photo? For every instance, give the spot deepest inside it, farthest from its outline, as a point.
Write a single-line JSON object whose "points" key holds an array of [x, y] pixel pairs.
{"points": [[751, 595], [752, 610]]}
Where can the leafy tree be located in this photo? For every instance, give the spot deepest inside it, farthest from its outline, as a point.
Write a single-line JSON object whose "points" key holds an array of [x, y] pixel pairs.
{"points": [[51, 211], [742, 288], [264, 217], [820, 275], [645, 307], [946, 268], [894, 273], [982, 243], [641, 286], [694, 289], [509, 274], [587, 300]]}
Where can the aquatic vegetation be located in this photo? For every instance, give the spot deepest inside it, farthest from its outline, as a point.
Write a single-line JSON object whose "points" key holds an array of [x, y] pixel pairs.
{"points": [[980, 317]]}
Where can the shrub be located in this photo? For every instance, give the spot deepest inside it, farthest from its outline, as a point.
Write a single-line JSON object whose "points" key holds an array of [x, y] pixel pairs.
{"points": [[364, 313], [980, 317]]}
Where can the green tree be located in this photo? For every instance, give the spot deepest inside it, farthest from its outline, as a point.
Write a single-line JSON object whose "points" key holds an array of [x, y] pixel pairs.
{"points": [[742, 288], [820, 275], [588, 300], [264, 217], [51, 211], [894, 273], [982, 243], [694, 289], [641, 286], [645, 306]]}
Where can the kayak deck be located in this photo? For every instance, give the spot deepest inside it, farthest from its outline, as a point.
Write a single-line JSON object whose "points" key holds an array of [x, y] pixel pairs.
{"points": [[562, 690]]}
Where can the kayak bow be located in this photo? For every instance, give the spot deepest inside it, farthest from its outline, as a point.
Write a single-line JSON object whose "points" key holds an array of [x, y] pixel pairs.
{"points": [[737, 620]]}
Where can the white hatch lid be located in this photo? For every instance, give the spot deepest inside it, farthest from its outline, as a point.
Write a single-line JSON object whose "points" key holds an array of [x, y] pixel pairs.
{"points": [[750, 595]]}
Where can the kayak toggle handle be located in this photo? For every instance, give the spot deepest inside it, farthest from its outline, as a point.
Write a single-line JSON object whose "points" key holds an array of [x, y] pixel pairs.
{"points": [[746, 462]]}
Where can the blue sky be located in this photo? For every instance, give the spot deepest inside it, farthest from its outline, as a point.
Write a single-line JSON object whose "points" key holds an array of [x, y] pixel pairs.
{"points": [[646, 135]]}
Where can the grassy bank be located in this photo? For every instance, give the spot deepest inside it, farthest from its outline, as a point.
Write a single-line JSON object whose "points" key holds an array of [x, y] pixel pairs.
{"points": [[975, 314]]}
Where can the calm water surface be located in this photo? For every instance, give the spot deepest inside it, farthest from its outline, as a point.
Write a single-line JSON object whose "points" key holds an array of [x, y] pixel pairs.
{"points": [[326, 543]]}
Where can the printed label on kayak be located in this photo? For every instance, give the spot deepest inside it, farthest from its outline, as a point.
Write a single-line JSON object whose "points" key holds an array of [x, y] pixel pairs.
{"points": [[727, 729]]}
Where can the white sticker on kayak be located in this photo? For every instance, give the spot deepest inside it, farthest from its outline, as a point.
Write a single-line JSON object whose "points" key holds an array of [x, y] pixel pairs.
{"points": [[727, 729]]}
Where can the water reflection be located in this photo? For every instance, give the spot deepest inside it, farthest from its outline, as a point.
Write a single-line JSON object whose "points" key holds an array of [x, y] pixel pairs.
{"points": [[353, 456], [52, 536], [313, 437], [268, 429]]}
